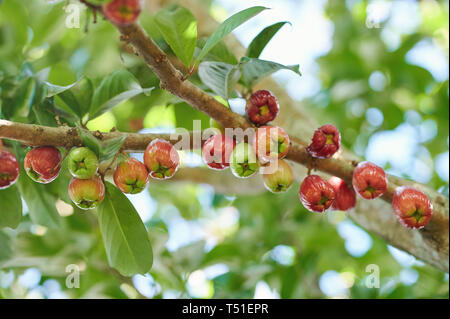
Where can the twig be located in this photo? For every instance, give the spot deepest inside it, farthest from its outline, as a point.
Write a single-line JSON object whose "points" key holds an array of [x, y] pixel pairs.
{"points": [[62, 159], [102, 174]]}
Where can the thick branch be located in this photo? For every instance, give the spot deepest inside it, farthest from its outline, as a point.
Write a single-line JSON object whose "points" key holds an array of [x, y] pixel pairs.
{"points": [[64, 136]]}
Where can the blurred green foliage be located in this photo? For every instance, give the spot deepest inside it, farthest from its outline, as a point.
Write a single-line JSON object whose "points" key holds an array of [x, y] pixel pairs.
{"points": [[245, 233]]}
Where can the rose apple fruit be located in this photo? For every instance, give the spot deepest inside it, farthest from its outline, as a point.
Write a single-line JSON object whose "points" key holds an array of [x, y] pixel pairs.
{"points": [[42, 164], [82, 163], [345, 195], [316, 194], [325, 142], [131, 176], [243, 161], [87, 193], [412, 207], [369, 180], [161, 158], [280, 180], [216, 151], [271, 142], [262, 107]]}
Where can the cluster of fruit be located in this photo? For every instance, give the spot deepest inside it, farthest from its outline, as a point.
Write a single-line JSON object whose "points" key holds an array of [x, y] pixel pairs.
{"points": [[86, 189], [271, 144]]}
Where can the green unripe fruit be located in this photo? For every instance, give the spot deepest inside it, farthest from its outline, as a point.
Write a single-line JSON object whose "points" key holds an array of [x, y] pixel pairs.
{"points": [[83, 163], [243, 161]]}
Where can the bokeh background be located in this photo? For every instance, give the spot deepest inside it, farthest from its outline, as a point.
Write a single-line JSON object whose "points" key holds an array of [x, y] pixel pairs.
{"points": [[377, 69]]}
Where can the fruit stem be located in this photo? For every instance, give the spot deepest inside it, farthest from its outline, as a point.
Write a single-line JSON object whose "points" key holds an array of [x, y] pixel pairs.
{"points": [[189, 73], [102, 174], [62, 159]]}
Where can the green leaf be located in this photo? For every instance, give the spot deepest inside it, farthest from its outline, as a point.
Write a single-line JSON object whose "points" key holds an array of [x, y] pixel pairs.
{"points": [[185, 116], [5, 246], [178, 27], [11, 205], [219, 52], [24, 97], [220, 77], [110, 147], [226, 27], [40, 202], [114, 89], [90, 141], [260, 41], [124, 235], [254, 70], [44, 113], [103, 149], [75, 98]]}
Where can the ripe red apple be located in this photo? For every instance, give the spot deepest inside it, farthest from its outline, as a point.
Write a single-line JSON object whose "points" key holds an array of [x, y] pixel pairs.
{"points": [[412, 207], [345, 195], [42, 164], [9, 168], [316, 194], [217, 150], [262, 107], [281, 179], [122, 11], [161, 158], [369, 180], [131, 176], [325, 142], [87, 193], [271, 142]]}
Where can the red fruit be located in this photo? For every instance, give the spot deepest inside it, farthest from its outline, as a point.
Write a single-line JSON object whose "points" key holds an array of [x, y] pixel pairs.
{"points": [[131, 176], [9, 168], [271, 142], [217, 150], [369, 180], [122, 11], [412, 207], [87, 193], [316, 194], [161, 159], [43, 164], [262, 107], [325, 142], [345, 195]]}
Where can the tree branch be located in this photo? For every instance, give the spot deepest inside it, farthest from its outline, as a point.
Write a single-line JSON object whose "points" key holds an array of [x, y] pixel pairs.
{"points": [[437, 231], [64, 136], [429, 244], [374, 215]]}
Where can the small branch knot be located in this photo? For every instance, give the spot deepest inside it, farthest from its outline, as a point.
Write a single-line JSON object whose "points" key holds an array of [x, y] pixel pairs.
{"points": [[98, 135], [160, 59]]}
